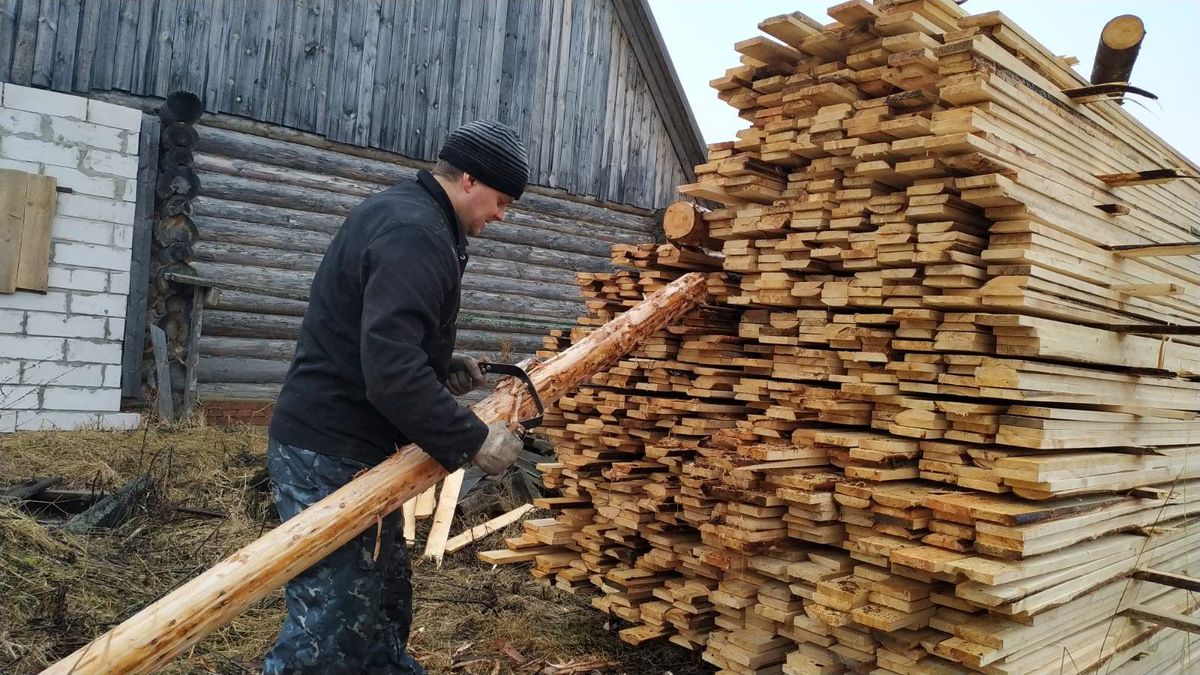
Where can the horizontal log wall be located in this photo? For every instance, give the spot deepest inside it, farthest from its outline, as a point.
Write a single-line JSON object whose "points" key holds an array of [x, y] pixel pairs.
{"points": [[268, 209], [391, 74]]}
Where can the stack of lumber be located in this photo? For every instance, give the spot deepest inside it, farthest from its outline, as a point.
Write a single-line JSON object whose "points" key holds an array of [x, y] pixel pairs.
{"points": [[939, 415]]}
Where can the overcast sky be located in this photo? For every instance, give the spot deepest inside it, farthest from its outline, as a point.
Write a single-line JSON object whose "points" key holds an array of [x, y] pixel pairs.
{"points": [[700, 36]]}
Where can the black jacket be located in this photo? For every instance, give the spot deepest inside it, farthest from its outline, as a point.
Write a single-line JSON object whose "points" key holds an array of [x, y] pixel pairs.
{"points": [[375, 344]]}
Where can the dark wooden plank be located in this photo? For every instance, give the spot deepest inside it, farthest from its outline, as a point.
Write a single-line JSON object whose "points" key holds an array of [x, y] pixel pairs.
{"points": [[47, 36], [139, 267], [1168, 579], [66, 45], [226, 54], [258, 39], [548, 73], [515, 32], [9, 11], [196, 324], [281, 76], [129, 41], [157, 71], [28, 489], [601, 135], [89, 32], [24, 46], [108, 25], [495, 62], [364, 95], [191, 57], [1169, 619], [415, 100], [462, 67], [398, 77], [300, 83], [440, 74], [380, 114], [324, 51], [343, 80]]}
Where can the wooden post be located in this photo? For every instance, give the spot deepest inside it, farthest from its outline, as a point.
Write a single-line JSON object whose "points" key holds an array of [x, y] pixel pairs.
{"points": [[155, 635], [1119, 44]]}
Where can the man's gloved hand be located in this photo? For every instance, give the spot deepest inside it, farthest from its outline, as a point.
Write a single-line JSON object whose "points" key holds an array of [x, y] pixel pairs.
{"points": [[464, 375], [499, 450]]}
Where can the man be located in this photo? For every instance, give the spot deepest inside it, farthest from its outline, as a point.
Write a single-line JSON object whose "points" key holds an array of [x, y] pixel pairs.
{"points": [[374, 369]]}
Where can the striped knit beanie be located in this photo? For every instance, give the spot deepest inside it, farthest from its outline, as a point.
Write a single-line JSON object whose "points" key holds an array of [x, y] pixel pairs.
{"points": [[491, 152]]}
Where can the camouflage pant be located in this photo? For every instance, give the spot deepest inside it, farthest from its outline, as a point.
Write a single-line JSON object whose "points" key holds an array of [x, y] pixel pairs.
{"points": [[348, 613]]}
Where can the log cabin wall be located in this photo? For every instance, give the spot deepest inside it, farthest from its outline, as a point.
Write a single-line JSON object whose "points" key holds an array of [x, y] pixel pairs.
{"points": [[268, 208], [310, 106]]}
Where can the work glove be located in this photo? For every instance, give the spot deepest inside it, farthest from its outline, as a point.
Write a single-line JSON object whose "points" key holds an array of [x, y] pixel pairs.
{"points": [[499, 450], [464, 375]]}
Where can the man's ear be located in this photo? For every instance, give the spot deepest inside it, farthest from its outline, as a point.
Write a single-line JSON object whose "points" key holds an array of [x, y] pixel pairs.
{"points": [[467, 182]]}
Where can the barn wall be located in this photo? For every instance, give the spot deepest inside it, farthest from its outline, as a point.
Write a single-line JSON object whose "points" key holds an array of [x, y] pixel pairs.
{"points": [[385, 74]]}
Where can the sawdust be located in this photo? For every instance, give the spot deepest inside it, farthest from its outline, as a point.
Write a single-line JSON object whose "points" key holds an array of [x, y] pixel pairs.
{"points": [[58, 591]]}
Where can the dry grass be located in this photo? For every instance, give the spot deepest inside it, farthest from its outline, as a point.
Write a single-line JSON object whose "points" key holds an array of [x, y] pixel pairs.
{"points": [[58, 591]]}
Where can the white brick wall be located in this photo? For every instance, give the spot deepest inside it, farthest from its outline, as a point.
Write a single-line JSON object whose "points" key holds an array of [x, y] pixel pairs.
{"points": [[60, 352]]}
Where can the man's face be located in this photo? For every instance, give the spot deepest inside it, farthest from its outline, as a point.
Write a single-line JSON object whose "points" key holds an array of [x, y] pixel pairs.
{"points": [[481, 205]]}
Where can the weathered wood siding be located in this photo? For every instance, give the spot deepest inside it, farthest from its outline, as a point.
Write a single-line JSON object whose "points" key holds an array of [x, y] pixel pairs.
{"points": [[389, 74], [269, 206]]}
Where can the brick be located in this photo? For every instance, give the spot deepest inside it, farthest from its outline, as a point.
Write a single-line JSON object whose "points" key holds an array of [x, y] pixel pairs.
{"points": [[84, 351], [115, 163], [14, 121], [118, 282], [18, 165], [81, 398], [98, 304], [72, 132], [122, 235], [54, 301], [42, 101], [64, 325], [79, 279], [112, 375], [18, 397], [80, 229], [98, 186], [115, 330], [36, 150], [95, 208], [64, 375], [11, 321], [32, 348], [10, 370], [67, 421], [90, 255], [112, 115], [127, 189]]}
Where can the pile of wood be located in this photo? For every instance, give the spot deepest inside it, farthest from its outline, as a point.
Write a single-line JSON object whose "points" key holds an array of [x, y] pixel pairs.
{"points": [[940, 413], [173, 306]]}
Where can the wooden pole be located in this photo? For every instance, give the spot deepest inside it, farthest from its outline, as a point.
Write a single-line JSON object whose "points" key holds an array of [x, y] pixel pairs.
{"points": [[1119, 44], [155, 635]]}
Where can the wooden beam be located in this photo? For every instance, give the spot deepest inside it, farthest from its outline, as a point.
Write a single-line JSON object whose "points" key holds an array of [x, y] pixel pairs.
{"points": [[1147, 290], [139, 266], [1168, 579], [1156, 250], [1168, 619], [164, 404], [480, 531], [439, 532], [1154, 330], [1146, 177], [169, 626]]}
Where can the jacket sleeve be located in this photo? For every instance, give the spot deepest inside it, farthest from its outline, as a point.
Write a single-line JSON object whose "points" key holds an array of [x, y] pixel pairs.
{"points": [[406, 280]]}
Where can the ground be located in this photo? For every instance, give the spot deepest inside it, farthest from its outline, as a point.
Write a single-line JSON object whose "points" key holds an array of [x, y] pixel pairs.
{"points": [[58, 590]]}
